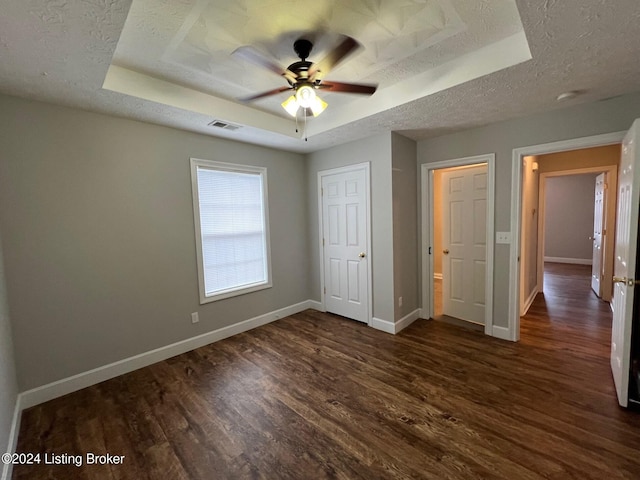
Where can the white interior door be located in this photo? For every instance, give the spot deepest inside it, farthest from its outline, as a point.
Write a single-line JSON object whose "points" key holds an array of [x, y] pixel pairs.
{"points": [[598, 225], [464, 234], [345, 234], [625, 261]]}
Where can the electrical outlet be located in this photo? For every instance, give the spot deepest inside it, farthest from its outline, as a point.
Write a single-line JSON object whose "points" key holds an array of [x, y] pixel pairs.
{"points": [[194, 317], [503, 237], [399, 301]]}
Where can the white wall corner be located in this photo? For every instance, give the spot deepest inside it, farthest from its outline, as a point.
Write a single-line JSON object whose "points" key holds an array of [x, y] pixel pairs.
{"points": [[396, 327], [7, 469], [71, 384], [383, 325], [315, 305], [407, 320]]}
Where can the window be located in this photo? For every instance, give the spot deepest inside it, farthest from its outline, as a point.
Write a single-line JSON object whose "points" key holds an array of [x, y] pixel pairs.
{"points": [[232, 235]]}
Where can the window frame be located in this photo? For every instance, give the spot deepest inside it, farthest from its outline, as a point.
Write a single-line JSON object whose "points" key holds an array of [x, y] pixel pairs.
{"points": [[228, 167]]}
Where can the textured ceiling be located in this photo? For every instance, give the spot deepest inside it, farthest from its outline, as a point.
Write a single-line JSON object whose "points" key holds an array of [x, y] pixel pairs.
{"points": [[442, 65]]}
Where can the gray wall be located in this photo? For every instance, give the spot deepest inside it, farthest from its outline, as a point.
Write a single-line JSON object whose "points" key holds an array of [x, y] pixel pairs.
{"points": [[569, 216], [501, 138], [97, 223], [405, 225], [8, 383], [376, 150]]}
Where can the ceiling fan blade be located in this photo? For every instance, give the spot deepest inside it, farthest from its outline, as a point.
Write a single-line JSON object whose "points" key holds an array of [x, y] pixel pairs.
{"points": [[349, 87], [256, 57], [264, 94], [333, 58]]}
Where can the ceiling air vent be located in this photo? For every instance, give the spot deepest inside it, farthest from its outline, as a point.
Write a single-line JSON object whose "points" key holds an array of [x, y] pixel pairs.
{"points": [[223, 124]]}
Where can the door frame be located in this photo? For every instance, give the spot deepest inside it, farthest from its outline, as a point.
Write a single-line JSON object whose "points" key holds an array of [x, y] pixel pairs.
{"points": [[428, 231], [518, 155], [366, 166]]}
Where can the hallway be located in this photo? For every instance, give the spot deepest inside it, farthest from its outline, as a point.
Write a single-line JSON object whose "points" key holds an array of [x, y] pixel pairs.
{"points": [[568, 315]]}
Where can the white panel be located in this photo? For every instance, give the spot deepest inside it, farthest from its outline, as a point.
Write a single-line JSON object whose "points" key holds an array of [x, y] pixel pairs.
{"points": [[480, 181], [334, 225], [334, 273], [332, 190], [351, 188], [353, 279], [456, 222], [457, 279], [353, 237], [479, 222], [479, 270], [456, 184]]}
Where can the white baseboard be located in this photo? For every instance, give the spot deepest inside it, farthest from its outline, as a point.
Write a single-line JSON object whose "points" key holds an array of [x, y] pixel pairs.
{"points": [[393, 328], [316, 305], [407, 320], [501, 332], [62, 387], [574, 261], [7, 469], [529, 301], [437, 276], [383, 325]]}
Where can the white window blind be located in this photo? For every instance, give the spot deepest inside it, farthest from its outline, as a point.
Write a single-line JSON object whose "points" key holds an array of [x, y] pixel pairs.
{"points": [[233, 240]]}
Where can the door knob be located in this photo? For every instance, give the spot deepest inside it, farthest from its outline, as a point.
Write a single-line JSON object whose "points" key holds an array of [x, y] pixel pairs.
{"points": [[362, 255], [445, 251]]}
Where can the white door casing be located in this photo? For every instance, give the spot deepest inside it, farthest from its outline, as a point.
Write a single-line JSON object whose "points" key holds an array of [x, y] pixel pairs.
{"points": [[625, 261], [345, 241], [464, 234], [598, 225], [513, 331]]}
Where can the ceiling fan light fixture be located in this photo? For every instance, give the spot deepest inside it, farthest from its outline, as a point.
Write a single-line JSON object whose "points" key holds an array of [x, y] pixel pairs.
{"points": [[305, 95], [317, 106], [291, 105]]}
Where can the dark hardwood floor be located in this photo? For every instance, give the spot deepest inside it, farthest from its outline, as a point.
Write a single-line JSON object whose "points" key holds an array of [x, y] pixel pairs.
{"points": [[317, 396]]}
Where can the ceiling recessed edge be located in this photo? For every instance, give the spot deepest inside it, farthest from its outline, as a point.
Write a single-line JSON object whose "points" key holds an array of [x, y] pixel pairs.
{"points": [[129, 82]]}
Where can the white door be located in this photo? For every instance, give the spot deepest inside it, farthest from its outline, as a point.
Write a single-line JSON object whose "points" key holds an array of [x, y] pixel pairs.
{"points": [[598, 225], [625, 261], [345, 233], [464, 235]]}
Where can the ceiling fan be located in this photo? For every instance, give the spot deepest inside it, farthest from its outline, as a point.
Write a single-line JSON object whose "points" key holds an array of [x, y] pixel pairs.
{"points": [[306, 77]]}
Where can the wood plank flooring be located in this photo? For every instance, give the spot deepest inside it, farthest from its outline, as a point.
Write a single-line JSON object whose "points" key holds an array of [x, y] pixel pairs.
{"points": [[317, 396]]}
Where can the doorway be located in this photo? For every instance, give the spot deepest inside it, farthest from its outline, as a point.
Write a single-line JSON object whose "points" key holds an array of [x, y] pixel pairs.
{"points": [[563, 193], [518, 217], [468, 290]]}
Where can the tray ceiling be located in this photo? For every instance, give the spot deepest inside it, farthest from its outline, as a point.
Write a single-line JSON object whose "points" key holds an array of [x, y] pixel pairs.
{"points": [[442, 65], [179, 54]]}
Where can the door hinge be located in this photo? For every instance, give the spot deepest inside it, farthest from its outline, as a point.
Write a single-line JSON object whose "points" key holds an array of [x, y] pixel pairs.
{"points": [[606, 185], [429, 250], [321, 192], [323, 242], [325, 290], [604, 231]]}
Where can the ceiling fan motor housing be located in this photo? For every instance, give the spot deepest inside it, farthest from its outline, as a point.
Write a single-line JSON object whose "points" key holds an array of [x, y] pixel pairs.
{"points": [[302, 47]]}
